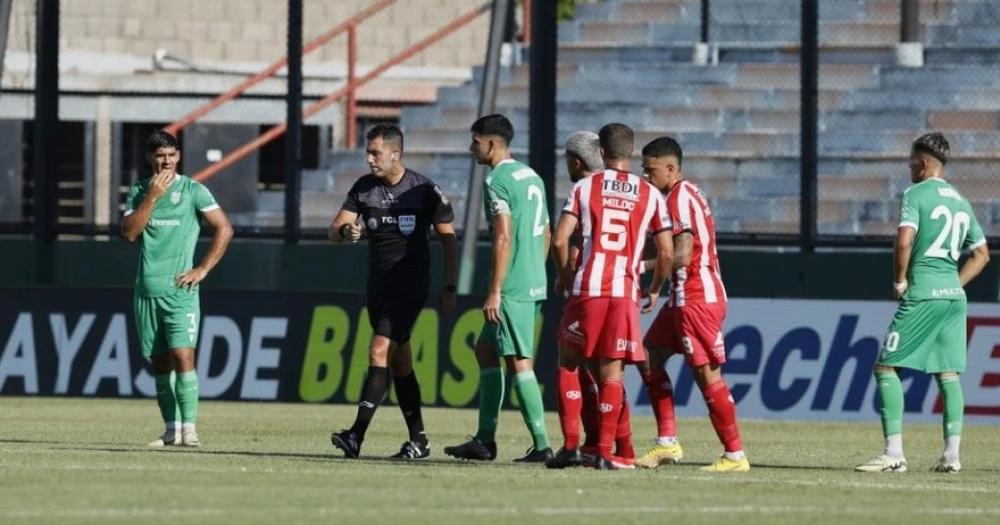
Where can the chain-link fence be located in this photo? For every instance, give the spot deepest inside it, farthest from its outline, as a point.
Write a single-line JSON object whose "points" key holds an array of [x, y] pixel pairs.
{"points": [[128, 68], [721, 76], [726, 87], [880, 94]]}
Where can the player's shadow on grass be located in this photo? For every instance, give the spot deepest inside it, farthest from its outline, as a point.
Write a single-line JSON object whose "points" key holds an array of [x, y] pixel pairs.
{"points": [[796, 467], [287, 455], [47, 442]]}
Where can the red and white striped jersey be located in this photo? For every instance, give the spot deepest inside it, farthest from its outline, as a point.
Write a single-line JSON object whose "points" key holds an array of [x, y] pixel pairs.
{"points": [[701, 281], [616, 210]]}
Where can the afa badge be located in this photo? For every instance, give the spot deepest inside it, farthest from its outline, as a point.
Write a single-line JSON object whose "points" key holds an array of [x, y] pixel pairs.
{"points": [[407, 223]]}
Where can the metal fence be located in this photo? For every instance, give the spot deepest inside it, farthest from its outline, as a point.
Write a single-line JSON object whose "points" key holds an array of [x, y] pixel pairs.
{"points": [[796, 117]]}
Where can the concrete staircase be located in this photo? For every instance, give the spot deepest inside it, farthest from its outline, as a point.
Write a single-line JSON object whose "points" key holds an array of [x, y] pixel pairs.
{"points": [[629, 61]]}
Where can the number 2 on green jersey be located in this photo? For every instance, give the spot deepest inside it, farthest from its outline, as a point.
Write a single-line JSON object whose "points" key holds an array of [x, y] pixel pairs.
{"points": [[535, 194]]}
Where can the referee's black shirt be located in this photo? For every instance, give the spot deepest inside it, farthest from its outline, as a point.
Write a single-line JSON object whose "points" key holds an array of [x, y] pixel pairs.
{"points": [[397, 219]]}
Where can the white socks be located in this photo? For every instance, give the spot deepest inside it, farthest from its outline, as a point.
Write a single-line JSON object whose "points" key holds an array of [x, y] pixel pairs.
{"points": [[894, 445], [951, 445]]}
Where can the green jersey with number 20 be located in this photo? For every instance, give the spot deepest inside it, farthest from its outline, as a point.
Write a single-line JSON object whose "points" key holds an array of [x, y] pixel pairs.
{"points": [[514, 189], [946, 226]]}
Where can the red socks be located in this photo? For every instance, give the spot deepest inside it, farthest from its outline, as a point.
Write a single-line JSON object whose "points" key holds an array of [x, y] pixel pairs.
{"points": [[570, 404], [579, 398], [612, 396], [590, 415], [722, 412], [623, 436], [661, 398]]}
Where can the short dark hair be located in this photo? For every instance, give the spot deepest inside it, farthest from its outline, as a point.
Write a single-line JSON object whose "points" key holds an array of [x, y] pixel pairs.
{"points": [[617, 141], [160, 139], [664, 147], [386, 132], [933, 144], [497, 125]]}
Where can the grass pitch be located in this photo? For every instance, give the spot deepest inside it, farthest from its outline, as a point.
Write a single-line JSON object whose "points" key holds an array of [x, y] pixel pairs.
{"points": [[71, 461]]}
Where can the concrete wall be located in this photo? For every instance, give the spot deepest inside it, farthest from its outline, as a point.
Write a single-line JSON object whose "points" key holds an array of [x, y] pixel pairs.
{"points": [[251, 31], [254, 30]]}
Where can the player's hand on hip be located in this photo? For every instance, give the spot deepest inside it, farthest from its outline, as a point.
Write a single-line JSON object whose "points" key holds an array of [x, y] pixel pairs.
{"points": [[899, 289], [448, 302], [652, 297], [191, 278], [491, 308], [161, 181]]}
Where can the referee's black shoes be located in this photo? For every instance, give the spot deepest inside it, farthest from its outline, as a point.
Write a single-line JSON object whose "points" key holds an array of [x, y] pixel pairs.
{"points": [[473, 449], [347, 441], [413, 450]]}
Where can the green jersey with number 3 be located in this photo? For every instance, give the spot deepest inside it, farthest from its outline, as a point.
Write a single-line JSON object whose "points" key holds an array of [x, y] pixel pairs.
{"points": [[514, 189], [946, 226], [169, 239]]}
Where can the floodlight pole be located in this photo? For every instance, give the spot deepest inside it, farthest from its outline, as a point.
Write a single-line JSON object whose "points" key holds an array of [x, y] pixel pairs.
{"points": [[45, 198], [809, 158], [487, 105], [909, 23], [293, 135]]}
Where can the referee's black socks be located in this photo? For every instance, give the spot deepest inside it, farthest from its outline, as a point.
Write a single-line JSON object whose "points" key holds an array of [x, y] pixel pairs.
{"points": [[376, 385], [408, 394]]}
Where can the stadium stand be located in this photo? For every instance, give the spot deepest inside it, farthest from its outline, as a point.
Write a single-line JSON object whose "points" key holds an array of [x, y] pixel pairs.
{"points": [[739, 119]]}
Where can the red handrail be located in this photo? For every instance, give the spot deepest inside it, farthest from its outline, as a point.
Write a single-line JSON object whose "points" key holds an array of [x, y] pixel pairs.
{"points": [[275, 132], [526, 21], [352, 99], [312, 45]]}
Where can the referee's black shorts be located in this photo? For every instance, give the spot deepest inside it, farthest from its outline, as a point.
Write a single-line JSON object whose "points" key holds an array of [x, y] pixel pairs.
{"points": [[393, 308]]}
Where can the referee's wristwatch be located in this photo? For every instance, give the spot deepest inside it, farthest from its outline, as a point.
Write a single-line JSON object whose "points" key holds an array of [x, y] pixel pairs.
{"points": [[450, 288]]}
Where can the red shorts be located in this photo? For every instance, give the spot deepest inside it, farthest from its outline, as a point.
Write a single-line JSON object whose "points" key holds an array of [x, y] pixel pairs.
{"points": [[694, 329], [602, 327]]}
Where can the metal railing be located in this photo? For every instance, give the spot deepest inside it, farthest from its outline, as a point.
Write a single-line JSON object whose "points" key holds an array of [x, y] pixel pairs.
{"points": [[349, 25], [353, 83]]}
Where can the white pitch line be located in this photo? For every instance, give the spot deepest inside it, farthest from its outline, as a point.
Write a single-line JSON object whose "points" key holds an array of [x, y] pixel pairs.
{"points": [[134, 512], [686, 477], [740, 479]]}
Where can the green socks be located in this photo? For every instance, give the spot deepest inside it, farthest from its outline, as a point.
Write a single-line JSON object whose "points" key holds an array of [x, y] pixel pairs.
{"points": [[169, 410], [532, 409], [490, 399], [187, 396], [890, 389], [954, 405]]}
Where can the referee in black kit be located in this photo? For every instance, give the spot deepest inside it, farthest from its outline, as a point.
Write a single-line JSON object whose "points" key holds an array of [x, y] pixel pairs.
{"points": [[397, 207]]}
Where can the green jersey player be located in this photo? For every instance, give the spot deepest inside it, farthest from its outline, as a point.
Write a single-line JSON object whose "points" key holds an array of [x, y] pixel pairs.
{"points": [[162, 212], [515, 204], [928, 331]]}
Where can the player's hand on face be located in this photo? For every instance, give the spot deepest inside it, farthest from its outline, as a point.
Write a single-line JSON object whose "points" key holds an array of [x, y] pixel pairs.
{"points": [[448, 302], [161, 181], [491, 308], [652, 297], [191, 278]]}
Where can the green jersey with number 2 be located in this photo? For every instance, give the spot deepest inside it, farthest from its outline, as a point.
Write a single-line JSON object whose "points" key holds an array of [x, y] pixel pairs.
{"points": [[514, 189], [946, 226]]}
